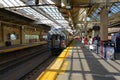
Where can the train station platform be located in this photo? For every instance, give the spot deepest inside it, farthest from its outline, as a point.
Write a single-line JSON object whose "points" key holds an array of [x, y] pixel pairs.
{"points": [[78, 63], [11, 48]]}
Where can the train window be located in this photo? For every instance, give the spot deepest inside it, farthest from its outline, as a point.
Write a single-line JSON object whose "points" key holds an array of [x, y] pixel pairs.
{"points": [[56, 37], [62, 37], [50, 38]]}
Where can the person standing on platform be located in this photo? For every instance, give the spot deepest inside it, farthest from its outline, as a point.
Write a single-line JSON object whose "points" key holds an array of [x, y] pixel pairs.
{"points": [[96, 42], [90, 43], [86, 41], [118, 44], [83, 41]]}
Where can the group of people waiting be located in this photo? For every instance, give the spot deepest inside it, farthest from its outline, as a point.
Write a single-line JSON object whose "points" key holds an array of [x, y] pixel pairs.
{"points": [[90, 41]]}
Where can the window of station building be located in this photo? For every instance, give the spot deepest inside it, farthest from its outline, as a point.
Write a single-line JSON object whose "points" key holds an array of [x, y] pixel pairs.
{"points": [[13, 37], [26, 36], [45, 37], [31, 36], [35, 36]]}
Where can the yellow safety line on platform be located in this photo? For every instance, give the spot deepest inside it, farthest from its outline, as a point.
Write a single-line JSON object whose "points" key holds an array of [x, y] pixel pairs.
{"points": [[58, 65], [13, 49], [64, 67], [22, 47]]}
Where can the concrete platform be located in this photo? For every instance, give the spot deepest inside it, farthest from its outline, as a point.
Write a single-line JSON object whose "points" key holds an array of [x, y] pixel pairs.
{"points": [[11, 48], [82, 64]]}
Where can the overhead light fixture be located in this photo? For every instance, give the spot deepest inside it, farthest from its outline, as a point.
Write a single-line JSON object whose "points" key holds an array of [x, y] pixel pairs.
{"points": [[63, 3], [68, 6], [36, 2]]}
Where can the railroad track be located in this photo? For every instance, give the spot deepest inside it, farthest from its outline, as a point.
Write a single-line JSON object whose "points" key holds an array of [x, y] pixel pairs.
{"points": [[8, 64], [12, 63], [9, 56], [30, 67], [31, 75]]}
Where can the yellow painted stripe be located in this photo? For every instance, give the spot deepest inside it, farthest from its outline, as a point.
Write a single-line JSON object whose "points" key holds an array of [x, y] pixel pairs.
{"points": [[64, 67], [22, 47], [48, 75], [14, 49], [59, 64]]}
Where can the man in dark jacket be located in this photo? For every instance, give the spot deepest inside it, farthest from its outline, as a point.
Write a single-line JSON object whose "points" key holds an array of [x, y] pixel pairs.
{"points": [[118, 44]]}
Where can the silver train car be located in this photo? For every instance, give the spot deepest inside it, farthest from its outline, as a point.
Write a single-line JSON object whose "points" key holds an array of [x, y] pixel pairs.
{"points": [[56, 43]]}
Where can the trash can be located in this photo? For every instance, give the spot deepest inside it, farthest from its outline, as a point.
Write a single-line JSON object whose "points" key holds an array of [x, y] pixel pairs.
{"points": [[8, 43], [110, 50], [107, 50]]}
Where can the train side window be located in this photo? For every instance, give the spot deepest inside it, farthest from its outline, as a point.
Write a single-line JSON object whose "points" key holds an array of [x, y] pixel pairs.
{"points": [[56, 37], [62, 37], [49, 37]]}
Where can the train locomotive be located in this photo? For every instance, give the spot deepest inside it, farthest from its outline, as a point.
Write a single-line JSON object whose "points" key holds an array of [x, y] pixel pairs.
{"points": [[56, 43]]}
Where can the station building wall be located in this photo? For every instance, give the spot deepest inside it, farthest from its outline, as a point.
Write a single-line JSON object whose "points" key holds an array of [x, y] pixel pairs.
{"points": [[1, 36], [18, 35], [12, 34], [30, 35]]}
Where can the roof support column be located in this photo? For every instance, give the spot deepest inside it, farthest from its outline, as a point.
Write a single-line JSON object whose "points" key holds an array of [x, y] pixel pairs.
{"points": [[103, 24], [80, 32], [22, 35], [41, 35], [85, 23], [1, 34], [85, 29], [93, 33]]}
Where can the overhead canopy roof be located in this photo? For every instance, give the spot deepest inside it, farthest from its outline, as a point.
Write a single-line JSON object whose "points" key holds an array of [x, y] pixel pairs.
{"points": [[62, 13], [47, 14]]}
